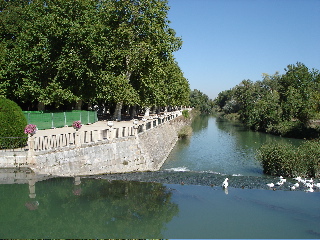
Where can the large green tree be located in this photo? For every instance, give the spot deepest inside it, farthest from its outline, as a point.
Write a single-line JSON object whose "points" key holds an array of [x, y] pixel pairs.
{"points": [[278, 103], [57, 51]]}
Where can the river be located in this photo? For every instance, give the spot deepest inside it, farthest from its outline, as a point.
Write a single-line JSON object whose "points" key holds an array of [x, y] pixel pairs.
{"points": [[182, 200]]}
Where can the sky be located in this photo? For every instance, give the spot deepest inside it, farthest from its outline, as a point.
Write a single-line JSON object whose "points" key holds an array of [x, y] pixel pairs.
{"points": [[227, 41]]}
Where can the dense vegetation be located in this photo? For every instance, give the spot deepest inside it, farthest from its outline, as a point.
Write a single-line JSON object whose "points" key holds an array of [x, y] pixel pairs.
{"points": [[12, 124], [70, 53], [284, 105], [286, 160], [201, 102], [279, 104]]}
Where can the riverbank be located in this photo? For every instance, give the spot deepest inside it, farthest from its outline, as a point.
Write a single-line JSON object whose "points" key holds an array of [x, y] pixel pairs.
{"points": [[103, 147]]}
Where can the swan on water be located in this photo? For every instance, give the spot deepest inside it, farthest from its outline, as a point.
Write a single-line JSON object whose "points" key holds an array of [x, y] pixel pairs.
{"points": [[279, 183], [309, 181], [298, 179], [310, 190], [304, 181], [309, 185], [225, 183], [271, 185]]}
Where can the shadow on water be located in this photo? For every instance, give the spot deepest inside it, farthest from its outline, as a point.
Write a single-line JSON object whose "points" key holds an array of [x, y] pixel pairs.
{"points": [[107, 207], [84, 208]]}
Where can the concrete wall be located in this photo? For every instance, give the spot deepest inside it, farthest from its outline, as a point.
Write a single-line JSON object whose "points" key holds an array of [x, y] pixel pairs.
{"points": [[145, 152]]}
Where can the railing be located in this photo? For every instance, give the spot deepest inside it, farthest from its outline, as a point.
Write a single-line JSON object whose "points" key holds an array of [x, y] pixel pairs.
{"points": [[80, 138]]}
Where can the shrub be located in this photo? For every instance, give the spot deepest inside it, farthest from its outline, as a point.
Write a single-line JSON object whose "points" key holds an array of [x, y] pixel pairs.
{"points": [[309, 152], [286, 160], [185, 113], [12, 124], [185, 131]]}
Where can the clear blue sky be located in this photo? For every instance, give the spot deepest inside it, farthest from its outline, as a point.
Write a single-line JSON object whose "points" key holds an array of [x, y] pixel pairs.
{"points": [[227, 41]]}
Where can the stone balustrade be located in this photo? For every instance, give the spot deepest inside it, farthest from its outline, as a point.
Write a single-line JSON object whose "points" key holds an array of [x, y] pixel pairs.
{"points": [[82, 138], [138, 146]]}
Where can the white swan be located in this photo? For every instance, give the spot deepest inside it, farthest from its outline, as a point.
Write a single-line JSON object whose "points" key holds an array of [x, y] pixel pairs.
{"points": [[298, 179], [271, 185], [309, 181], [225, 183], [310, 190], [279, 183], [309, 185]]}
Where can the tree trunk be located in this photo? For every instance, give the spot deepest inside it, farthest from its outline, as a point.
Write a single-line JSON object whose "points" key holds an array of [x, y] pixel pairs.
{"points": [[41, 106], [117, 112], [133, 111], [78, 105]]}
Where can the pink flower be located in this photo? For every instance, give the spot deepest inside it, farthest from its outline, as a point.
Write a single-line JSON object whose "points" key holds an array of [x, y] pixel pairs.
{"points": [[77, 125], [30, 129]]}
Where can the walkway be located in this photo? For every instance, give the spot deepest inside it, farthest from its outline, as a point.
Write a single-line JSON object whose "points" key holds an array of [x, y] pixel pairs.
{"points": [[100, 125]]}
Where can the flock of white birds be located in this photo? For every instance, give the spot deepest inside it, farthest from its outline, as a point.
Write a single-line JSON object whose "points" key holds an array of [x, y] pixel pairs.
{"points": [[308, 184]]}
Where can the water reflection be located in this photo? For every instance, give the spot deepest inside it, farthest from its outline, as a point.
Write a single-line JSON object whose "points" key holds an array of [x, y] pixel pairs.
{"points": [[246, 138], [220, 146], [84, 208], [200, 123]]}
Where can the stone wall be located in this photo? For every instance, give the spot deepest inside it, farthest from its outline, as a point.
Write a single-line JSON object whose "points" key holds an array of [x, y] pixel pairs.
{"points": [[146, 151]]}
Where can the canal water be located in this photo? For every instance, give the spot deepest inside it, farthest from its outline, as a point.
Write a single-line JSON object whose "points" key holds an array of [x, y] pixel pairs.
{"points": [[182, 200]]}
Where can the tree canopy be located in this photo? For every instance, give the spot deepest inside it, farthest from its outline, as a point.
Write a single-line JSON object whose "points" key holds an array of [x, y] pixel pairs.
{"points": [[56, 52], [277, 104]]}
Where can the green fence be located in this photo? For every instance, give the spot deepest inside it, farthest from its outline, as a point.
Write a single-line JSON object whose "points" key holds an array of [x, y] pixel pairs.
{"points": [[46, 120]]}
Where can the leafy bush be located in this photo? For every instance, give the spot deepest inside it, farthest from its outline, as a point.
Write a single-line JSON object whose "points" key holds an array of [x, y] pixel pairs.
{"points": [[185, 113], [185, 132], [12, 124], [286, 160]]}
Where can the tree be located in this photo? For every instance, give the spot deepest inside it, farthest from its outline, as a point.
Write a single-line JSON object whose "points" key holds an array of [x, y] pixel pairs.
{"points": [[201, 101], [297, 93], [144, 41], [57, 52]]}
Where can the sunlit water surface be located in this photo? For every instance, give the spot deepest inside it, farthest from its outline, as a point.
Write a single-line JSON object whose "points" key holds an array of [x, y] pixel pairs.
{"points": [[220, 146]]}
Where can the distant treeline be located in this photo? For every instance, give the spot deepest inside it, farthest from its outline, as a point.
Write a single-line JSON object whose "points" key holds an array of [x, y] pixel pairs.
{"points": [[282, 104]]}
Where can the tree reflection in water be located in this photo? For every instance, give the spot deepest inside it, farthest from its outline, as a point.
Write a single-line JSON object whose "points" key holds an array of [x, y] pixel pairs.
{"points": [[88, 208]]}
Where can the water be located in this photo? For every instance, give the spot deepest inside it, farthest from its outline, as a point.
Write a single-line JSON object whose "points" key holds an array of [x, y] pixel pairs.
{"points": [[166, 204], [98, 208], [219, 146]]}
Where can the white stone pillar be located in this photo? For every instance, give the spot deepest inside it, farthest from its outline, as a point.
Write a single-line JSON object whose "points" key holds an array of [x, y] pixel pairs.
{"points": [[32, 188], [31, 155], [78, 138]]}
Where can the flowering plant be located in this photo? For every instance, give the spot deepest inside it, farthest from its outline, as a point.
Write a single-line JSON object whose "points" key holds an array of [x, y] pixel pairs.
{"points": [[77, 125], [30, 129]]}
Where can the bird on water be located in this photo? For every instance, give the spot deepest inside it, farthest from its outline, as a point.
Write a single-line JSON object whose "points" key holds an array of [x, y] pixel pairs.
{"points": [[225, 183]]}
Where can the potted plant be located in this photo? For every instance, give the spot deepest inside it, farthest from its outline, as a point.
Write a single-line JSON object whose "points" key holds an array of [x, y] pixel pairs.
{"points": [[77, 125], [30, 129]]}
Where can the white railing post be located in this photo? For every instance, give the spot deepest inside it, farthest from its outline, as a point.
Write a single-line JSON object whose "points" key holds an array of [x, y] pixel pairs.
{"points": [[65, 119], [30, 157], [77, 139], [52, 124]]}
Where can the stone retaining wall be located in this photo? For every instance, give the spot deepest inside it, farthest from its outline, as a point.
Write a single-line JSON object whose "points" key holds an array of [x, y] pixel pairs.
{"points": [[146, 151]]}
